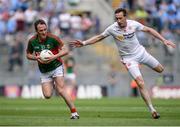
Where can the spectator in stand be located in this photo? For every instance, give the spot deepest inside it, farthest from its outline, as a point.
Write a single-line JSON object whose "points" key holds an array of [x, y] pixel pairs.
{"points": [[141, 15], [30, 15], [76, 26], [16, 54], [134, 88], [20, 20], [64, 19], [113, 80], [11, 25], [97, 24], [2, 27], [86, 25]]}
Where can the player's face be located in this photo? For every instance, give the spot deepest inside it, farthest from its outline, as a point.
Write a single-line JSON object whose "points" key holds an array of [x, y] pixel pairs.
{"points": [[42, 31], [121, 19]]}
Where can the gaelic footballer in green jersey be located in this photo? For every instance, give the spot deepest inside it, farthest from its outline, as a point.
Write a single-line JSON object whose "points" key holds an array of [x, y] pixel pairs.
{"points": [[51, 69], [52, 43]]}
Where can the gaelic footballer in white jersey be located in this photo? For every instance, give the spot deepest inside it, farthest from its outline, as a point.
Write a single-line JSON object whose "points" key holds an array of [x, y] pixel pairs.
{"points": [[130, 50]]}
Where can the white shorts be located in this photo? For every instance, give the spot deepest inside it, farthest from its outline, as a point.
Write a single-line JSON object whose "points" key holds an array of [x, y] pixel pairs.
{"points": [[132, 62], [48, 77], [71, 76]]}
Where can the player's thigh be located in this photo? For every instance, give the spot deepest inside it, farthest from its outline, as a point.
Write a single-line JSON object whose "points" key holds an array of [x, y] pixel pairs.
{"points": [[152, 62], [132, 67], [58, 76], [60, 85], [134, 72], [59, 81], [47, 88]]}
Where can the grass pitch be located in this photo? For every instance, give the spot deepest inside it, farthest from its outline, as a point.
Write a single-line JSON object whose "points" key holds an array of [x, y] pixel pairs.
{"points": [[102, 112]]}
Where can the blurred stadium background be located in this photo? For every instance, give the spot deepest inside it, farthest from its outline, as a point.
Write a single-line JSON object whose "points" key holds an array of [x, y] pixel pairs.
{"points": [[81, 19]]}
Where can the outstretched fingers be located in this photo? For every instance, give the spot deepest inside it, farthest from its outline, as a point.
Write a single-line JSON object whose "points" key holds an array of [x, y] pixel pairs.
{"points": [[76, 43], [169, 43]]}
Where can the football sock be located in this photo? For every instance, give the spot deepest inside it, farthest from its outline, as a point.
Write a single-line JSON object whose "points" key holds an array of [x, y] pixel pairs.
{"points": [[73, 110], [151, 108]]}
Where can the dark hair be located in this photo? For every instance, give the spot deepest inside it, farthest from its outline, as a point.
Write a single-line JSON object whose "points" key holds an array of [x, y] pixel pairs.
{"points": [[37, 22], [118, 10]]}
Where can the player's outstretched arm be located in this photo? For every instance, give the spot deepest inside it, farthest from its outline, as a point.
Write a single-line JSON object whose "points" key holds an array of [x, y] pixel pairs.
{"points": [[157, 35], [92, 40]]}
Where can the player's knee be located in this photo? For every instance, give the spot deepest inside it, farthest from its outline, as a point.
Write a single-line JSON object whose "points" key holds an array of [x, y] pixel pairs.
{"points": [[60, 89], [140, 82], [159, 68], [47, 96]]}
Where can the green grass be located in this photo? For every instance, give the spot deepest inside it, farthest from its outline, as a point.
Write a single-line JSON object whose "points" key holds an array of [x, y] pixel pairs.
{"points": [[102, 112]]}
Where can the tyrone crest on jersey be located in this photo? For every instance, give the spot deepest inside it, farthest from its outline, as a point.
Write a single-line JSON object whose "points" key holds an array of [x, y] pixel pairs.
{"points": [[120, 37]]}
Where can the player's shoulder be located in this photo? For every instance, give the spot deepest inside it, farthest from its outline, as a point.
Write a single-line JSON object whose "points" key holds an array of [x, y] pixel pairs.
{"points": [[132, 22], [54, 37], [112, 26], [32, 37]]}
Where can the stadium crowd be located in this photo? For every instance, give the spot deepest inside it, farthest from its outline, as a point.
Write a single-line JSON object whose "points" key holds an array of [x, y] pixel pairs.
{"points": [[17, 17]]}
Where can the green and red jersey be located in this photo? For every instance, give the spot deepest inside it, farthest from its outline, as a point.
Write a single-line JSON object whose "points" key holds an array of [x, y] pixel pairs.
{"points": [[52, 43]]}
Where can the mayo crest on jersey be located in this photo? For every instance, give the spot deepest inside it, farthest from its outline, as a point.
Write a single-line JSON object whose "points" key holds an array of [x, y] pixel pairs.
{"points": [[125, 39]]}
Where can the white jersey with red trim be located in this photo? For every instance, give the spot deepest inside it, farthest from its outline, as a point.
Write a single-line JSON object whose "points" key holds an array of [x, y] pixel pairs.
{"points": [[125, 39]]}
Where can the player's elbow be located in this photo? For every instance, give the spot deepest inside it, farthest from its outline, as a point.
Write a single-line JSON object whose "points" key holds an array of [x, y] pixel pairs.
{"points": [[66, 51], [148, 29], [27, 56]]}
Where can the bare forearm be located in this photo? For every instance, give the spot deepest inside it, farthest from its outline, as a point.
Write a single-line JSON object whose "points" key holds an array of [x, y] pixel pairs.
{"points": [[156, 34], [31, 57], [64, 51], [61, 54], [93, 40]]}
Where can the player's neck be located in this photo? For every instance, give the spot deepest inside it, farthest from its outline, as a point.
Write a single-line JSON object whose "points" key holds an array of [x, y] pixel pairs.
{"points": [[41, 39], [124, 26]]}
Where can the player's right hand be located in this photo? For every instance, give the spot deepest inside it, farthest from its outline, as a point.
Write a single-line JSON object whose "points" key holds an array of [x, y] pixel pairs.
{"points": [[169, 43], [38, 58], [43, 62], [76, 44]]}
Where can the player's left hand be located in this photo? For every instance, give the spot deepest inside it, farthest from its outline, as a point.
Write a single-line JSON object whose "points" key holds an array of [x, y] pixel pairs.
{"points": [[169, 43]]}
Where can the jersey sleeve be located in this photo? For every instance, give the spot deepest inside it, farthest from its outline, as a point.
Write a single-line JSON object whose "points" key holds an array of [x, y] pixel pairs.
{"points": [[57, 41], [29, 47], [106, 32], [138, 26]]}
